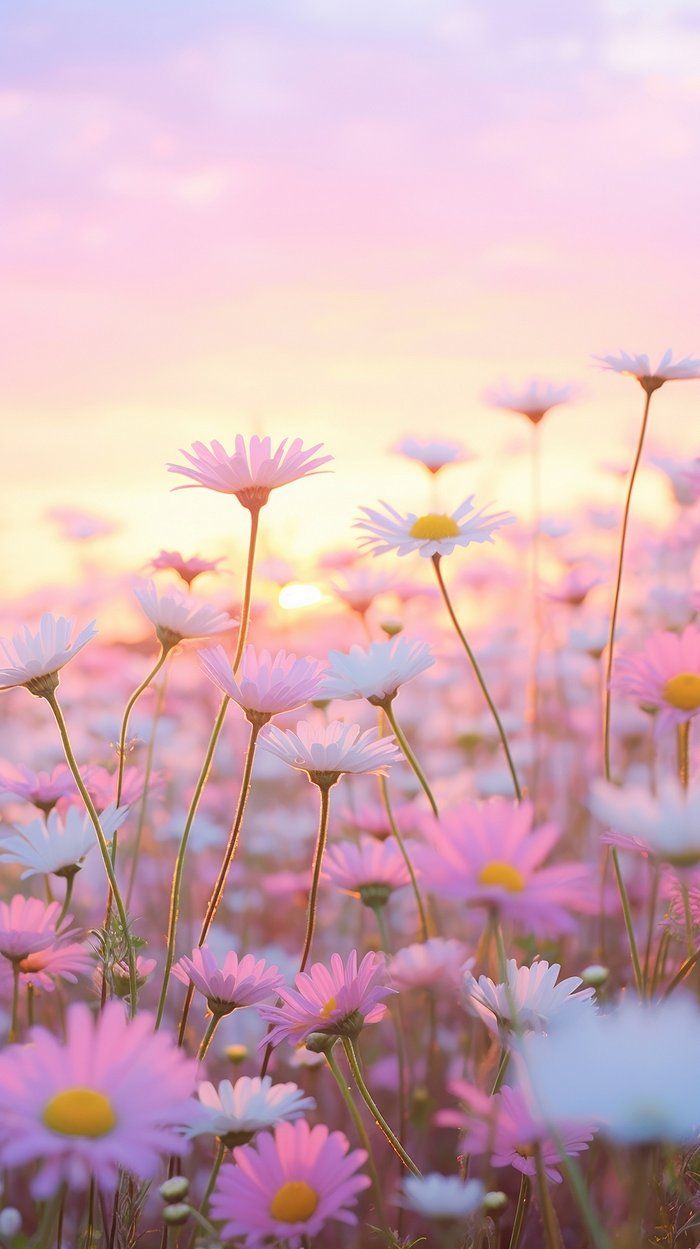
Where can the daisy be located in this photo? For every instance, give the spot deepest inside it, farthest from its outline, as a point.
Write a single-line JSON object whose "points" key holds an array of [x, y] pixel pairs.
{"points": [[187, 569], [684, 476], [531, 994], [490, 855], [665, 676], [287, 1186], [431, 535], [177, 615], [266, 684], [438, 963], [650, 377], [432, 454], [42, 789], [27, 926], [665, 825], [632, 1071], [505, 1128], [360, 586], [370, 870], [338, 1001], [109, 1098], [438, 1196], [371, 817], [235, 1112], [534, 400], [375, 672], [238, 982], [58, 844], [326, 751], [35, 659], [250, 472], [44, 968]]}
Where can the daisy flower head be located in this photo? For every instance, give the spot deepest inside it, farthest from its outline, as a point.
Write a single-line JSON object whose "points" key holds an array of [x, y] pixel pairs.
{"points": [[110, 1097], [187, 569], [178, 615], [490, 854], [433, 454], [376, 672], [359, 587], [35, 659], [650, 376], [288, 1185], [665, 825], [533, 400], [27, 926], [439, 962], [238, 982], [326, 751], [252, 471], [369, 869], [335, 1001], [530, 1001], [684, 477], [265, 685], [664, 677], [66, 960], [58, 844], [432, 535], [235, 1112], [438, 1196], [42, 789]]}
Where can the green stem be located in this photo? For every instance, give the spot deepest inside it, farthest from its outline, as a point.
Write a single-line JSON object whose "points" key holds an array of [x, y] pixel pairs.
{"points": [[396, 1015], [683, 738], [520, 1213], [361, 1132], [398, 837], [150, 751], [352, 1057], [629, 925], [409, 755], [164, 652], [70, 881], [208, 1037], [104, 848], [549, 1218], [683, 971], [14, 1024], [618, 586], [325, 792], [478, 674]]}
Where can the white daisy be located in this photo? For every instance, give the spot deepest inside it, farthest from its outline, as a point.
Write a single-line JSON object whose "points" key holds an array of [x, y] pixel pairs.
{"points": [[59, 844], [177, 614], [432, 535], [442, 1196], [533, 400], [665, 825], [652, 377], [375, 673], [532, 992], [234, 1112], [431, 453], [34, 659]]}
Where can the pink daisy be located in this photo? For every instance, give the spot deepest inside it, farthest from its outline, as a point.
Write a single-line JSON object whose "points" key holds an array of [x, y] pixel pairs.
{"points": [[438, 963], [533, 400], [488, 854], [187, 569], [111, 1097], [370, 870], [57, 962], [288, 1185], [178, 615], [250, 472], [238, 982], [27, 926], [326, 751], [338, 1001], [266, 684], [34, 659], [652, 376], [433, 454], [42, 789], [665, 676]]}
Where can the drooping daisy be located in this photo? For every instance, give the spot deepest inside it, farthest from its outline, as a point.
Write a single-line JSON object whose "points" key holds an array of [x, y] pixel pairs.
{"points": [[438, 1196], [177, 614], [109, 1098], [665, 676], [532, 993], [35, 659], [369, 869], [438, 963], [665, 825], [326, 751], [250, 472], [58, 844], [42, 789], [433, 454], [533, 400], [235, 1112], [489, 854], [265, 684], [375, 672], [338, 1000], [238, 982], [187, 569], [288, 1186], [649, 376], [431, 535]]}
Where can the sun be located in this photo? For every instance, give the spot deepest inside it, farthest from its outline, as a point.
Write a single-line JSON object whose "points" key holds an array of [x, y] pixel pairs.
{"points": [[299, 594]]}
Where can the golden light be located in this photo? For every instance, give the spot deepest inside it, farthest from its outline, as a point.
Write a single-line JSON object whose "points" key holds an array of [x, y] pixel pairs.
{"points": [[299, 594]]}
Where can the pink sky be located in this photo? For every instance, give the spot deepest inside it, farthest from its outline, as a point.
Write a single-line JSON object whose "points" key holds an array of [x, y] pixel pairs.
{"points": [[342, 220]]}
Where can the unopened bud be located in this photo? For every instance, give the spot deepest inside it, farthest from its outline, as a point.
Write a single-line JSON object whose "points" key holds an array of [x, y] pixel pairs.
{"points": [[236, 1053], [175, 1188], [595, 975], [391, 627], [10, 1222], [176, 1215], [495, 1203]]}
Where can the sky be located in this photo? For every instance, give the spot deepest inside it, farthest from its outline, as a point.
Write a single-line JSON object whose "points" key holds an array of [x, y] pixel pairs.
{"points": [[341, 221]]}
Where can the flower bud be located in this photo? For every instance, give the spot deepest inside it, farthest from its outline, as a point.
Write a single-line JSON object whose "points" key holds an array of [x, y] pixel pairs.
{"points": [[175, 1188], [495, 1203], [10, 1222], [176, 1215], [595, 975]]}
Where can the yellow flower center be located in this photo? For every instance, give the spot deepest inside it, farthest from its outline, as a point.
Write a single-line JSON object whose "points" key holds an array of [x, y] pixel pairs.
{"points": [[502, 874], [79, 1112], [328, 1009], [434, 527], [294, 1202], [683, 691]]}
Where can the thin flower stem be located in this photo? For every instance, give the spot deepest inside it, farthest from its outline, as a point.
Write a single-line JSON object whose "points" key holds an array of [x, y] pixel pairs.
{"points": [[536, 516], [547, 1211], [618, 585], [683, 971], [14, 1024], [683, 740], [396, 1015], [688, 917], [104, 849], [140, 689], [478, 674], [398, 837], [208, 1037], [410, 756], [325, 792], [520, 1212], [629, 924], [176, 889], [150, 752], [70, 881], [361, 1132], [352, 1057], [579, 1192], [213, 1176]]}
